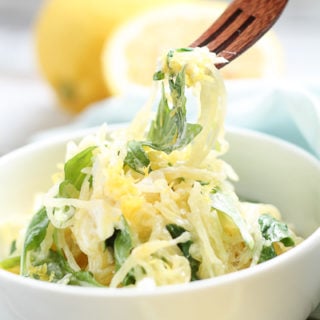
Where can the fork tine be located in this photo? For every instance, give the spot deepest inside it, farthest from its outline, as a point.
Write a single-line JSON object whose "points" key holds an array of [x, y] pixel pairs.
{"points": [[230, 32], [240, 25], [219, 26], [233, 46]]}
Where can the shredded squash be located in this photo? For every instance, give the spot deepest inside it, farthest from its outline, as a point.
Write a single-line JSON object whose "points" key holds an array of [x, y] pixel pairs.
{"points": [[152, 204]]}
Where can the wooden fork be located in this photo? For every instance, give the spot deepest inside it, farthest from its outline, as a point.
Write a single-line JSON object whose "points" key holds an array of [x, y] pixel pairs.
{"points": [[240, 26]]}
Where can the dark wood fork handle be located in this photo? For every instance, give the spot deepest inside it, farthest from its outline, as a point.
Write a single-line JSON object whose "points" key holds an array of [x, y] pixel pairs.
{"points": [[240, 26]]}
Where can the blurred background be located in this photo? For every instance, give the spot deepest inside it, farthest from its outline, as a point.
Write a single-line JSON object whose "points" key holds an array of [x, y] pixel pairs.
{"points": [[51, 70]]}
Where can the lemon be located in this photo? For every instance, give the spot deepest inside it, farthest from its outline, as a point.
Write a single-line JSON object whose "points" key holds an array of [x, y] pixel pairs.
{"points": [[130, 54], [69, 36]]}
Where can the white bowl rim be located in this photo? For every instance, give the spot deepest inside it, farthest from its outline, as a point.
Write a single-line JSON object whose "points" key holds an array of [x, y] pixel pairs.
{"points": [[74, 135], [218, 281]]}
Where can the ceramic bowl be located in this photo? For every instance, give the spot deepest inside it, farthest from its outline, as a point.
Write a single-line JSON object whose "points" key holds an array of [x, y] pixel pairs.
{"points": [[287, 287]]}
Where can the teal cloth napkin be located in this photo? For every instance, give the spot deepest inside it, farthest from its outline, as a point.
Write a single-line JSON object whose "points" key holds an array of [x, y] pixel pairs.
{"points": [[283, 108], [286, 109]]}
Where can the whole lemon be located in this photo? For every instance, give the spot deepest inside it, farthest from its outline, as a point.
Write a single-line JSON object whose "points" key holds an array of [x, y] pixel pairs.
{"points": [[69, 39]]}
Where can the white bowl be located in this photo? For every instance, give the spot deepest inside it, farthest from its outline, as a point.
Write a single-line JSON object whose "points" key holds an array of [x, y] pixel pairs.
{"points": [[285, 288]]}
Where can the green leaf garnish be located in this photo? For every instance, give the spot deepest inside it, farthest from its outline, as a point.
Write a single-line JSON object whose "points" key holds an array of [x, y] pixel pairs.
{"points": [[58, 268], [123, 245], [136, 157], [73, 178], [169, 131], [275, 230], [159, 75], [73, 175], [272, 231], [10, 263], [228, 205], [13, 247], [184, 49], [176, 231], [35, 234], [69, 188]]}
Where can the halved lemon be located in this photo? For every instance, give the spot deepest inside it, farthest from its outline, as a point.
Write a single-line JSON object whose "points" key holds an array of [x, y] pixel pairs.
{"points": [[130, 54], [69, 38]]}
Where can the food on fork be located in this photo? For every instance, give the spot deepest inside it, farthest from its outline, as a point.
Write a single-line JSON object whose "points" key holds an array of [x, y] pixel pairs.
{"points": [[152, 204]]}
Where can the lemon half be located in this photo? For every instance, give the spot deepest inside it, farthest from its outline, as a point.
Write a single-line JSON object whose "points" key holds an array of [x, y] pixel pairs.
{"points": [[130, 54], [70, 35]]}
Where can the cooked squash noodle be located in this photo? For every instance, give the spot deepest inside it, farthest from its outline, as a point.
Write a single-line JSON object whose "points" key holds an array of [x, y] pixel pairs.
{"points": [[153, 204], [143, 253]]}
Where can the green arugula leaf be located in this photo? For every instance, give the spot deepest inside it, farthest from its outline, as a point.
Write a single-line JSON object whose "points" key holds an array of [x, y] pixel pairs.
{"points": [[123, 245], [228, 205], [136, 157], [170, 55], [84, 278], [176, 231], [13, 247], [69, 188], [58, 268], [73, 178], [162, 130], [187, 49], [159, 75], [273, 230], [267, 253], [73, 175], [170, 130], [35, 234], [10, 263], [172, 51], [121, 251]]}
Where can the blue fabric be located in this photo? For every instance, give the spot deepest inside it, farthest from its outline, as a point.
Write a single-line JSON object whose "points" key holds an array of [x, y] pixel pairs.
{"points": [[284, 108]]}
